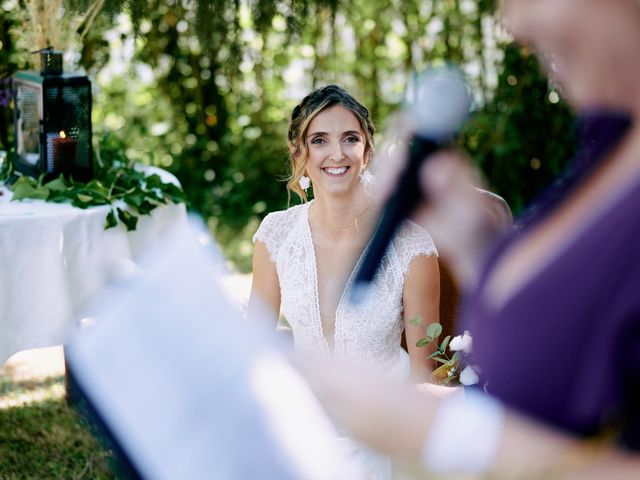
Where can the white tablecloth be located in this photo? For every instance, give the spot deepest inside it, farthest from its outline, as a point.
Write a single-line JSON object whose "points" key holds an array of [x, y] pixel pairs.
{"points": [[54, 258]]}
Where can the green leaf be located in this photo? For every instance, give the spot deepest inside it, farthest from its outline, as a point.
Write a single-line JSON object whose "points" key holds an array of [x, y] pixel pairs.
{"points": [[146, 207], [416, 321], [41, 193], [22, 188], [111, 220], [26, 187], [423, 342], [84, 198], [434, 330], [445, 343], [154, 180], [57, 184], [59, 197], [98, 187], [133, 200], [129, 220], [25, 179], [78, 204]]}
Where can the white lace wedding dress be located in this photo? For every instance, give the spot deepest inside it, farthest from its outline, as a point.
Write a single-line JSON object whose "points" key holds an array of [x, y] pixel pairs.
{"points": [[367, 333]]}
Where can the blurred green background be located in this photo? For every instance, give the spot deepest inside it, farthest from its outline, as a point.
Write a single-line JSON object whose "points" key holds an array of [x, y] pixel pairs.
{"points": [[204, 88]]}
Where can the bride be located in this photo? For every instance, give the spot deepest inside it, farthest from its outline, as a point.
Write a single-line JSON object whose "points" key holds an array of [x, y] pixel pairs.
{"points": [[304, 256]]}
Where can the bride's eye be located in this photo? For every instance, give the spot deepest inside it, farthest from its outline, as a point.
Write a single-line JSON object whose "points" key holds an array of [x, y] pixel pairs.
{"points": [[317, 140], [352, 139]]}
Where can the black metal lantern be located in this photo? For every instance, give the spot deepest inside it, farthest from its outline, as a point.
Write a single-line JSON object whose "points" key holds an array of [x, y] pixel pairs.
{"points": [[52, 114]]}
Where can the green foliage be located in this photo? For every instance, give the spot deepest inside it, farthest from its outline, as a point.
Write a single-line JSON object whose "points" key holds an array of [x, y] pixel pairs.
{"points": [[434, 330], [524, 137], [129, 191], [10, 61], [453, 363], [209, 85]]}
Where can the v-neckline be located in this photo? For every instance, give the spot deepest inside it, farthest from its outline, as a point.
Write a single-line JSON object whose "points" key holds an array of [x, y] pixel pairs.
{"points": [[316, 291]]}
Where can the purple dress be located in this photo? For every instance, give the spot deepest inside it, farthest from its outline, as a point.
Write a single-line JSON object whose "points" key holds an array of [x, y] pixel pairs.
{"points": [[565, 349]]}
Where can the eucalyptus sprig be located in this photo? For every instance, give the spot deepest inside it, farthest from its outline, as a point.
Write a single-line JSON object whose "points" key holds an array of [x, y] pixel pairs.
{"points": [[455, 368], [129, 191]]}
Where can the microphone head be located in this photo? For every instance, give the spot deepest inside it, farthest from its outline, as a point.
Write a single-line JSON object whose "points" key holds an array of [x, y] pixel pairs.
{"points": [[438, 102]]}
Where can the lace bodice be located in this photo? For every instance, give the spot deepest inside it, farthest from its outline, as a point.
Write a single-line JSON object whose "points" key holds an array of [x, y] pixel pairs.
{"points": [[369, 332]]}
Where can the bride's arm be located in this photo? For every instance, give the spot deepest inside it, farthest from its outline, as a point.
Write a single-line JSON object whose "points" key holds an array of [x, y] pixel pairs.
{"points": [[421, 298], [398, 419], [265, 286]]}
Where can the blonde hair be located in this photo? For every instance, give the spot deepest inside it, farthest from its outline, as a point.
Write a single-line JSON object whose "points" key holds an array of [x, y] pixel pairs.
{"points": [[304, 113]]}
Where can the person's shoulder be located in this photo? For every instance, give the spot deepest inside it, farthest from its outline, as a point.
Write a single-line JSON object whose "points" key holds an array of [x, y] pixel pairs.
{"points": [[412, 231], [282, 218], [415, 240], [275, 227]]}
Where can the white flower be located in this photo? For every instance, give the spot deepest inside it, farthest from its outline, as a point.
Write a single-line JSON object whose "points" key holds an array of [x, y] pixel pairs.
{"points": [[462, 342], [365, 177], [304, 182], [468, 376]]}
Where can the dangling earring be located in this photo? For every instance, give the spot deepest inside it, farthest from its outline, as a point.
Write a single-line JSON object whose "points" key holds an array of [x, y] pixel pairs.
{"points": [[304, 182], [365, 177]]}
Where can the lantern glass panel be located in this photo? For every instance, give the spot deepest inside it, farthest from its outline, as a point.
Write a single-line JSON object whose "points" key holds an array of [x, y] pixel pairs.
{"points": [[28, 107], [53, 125]]}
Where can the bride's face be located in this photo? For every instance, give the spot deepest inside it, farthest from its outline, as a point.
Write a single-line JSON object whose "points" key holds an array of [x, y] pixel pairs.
{"points": [[336, 145]]}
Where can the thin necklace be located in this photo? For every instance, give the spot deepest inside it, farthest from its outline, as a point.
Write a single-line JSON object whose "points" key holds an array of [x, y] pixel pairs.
{"points": [[355, 223]]}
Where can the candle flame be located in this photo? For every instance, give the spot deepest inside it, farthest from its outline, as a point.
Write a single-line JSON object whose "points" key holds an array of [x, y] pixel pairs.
{"points": [[62, 134]]}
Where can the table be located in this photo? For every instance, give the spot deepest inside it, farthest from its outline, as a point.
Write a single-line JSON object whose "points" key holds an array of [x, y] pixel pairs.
{"points": [[54, 258]]}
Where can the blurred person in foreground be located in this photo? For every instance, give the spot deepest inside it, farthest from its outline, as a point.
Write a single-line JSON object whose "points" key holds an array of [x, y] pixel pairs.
{"points": [[553, 308]]}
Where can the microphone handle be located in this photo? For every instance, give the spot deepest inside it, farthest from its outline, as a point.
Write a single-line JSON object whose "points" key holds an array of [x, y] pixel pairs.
{"points": [[400, 205]]}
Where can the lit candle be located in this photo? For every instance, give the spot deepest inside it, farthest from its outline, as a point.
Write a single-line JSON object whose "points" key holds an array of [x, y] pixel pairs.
{"points": [[65, 150]]}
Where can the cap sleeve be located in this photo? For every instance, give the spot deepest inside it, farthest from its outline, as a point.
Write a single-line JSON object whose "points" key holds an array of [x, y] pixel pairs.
{"points": [[270, 233], [276, 226], [413, 241]]}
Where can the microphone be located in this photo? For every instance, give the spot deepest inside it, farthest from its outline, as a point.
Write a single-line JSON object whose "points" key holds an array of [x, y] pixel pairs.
{"points": [[438, 103]]}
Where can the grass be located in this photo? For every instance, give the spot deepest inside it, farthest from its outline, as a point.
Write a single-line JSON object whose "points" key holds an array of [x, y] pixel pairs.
{"points": [[42, 437]]}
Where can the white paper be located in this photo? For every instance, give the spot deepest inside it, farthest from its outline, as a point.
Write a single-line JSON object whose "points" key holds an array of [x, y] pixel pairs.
{"points": [[190, 388]]}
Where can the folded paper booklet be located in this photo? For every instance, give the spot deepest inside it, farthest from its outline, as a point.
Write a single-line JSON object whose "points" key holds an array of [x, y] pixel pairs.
{"points": [[186, 387]]}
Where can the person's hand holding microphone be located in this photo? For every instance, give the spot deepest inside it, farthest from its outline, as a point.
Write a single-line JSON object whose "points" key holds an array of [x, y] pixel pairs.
{"points": [[426, 179]]}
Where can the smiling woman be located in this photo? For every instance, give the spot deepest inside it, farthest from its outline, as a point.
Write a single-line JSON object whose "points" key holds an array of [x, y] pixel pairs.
{"points": [[336, 153], [304, 256], [349, 122]]}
